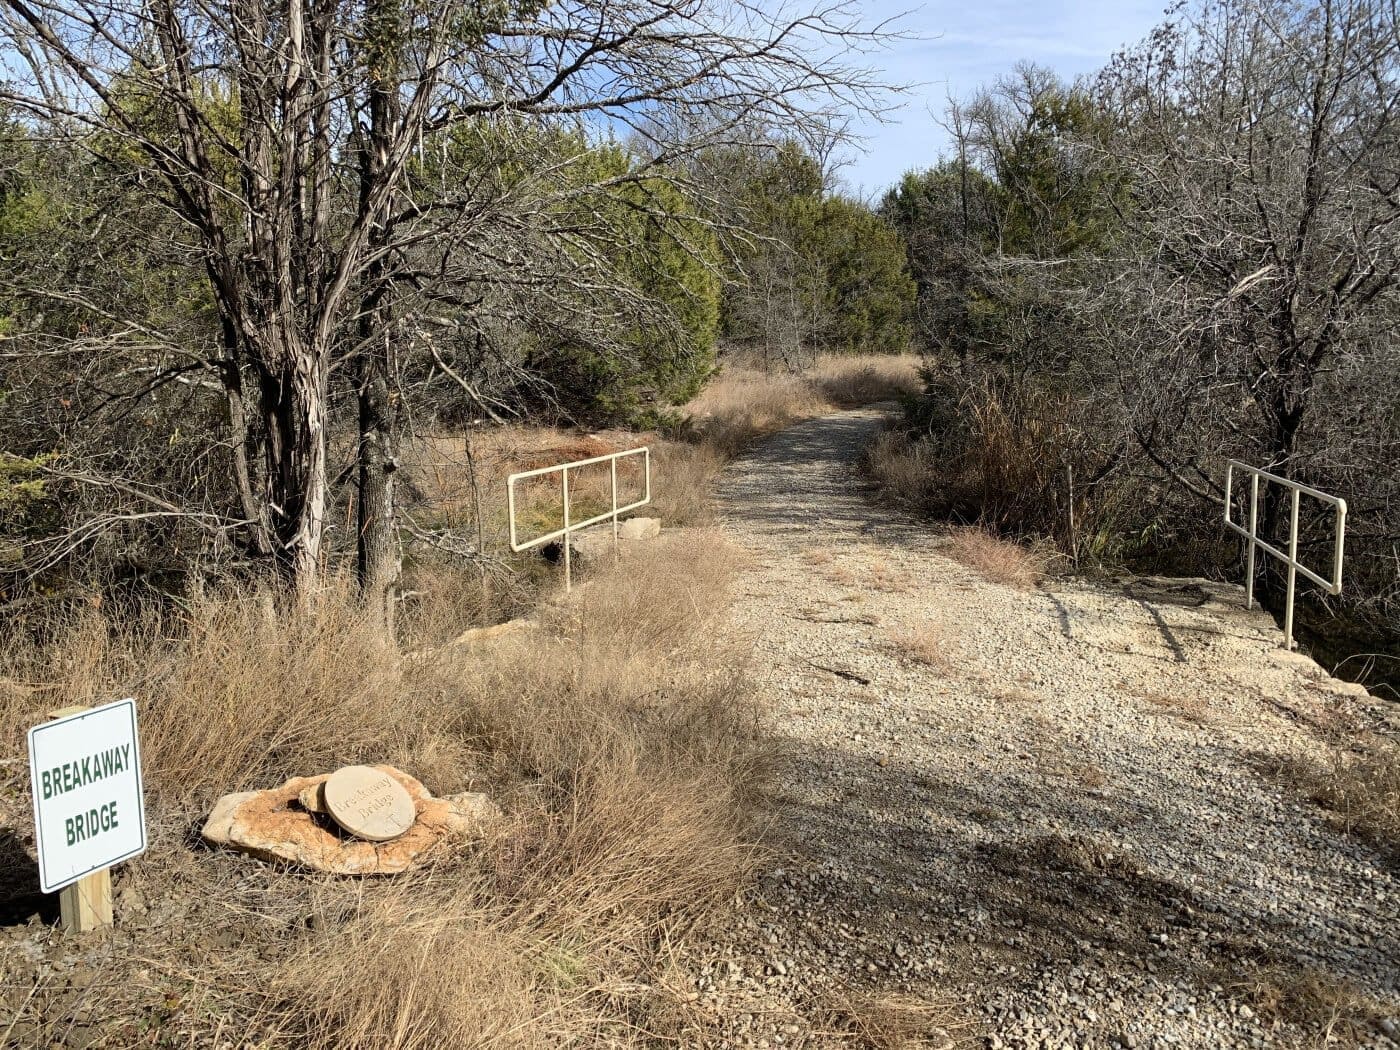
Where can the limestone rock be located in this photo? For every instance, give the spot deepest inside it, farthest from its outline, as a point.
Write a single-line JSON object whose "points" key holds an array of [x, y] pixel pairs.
{"points": [[596, 543], [1304, 664], [479, 635], [640, 529], [1344, 688], [274, 826]]}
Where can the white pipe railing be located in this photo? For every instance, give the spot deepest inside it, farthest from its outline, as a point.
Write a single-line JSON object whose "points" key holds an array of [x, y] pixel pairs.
{"points": [[569, 526], [1251, 535]]}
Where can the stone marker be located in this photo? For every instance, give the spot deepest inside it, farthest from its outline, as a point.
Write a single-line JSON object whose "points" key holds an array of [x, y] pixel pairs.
{"points": [[368, 803], [274, 825]]}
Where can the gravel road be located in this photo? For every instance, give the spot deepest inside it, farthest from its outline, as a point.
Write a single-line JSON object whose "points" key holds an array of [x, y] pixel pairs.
{"points": [[1064, 826]]}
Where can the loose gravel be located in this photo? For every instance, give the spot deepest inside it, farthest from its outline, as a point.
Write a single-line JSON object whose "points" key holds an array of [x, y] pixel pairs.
{"points": [[1055, 820]]}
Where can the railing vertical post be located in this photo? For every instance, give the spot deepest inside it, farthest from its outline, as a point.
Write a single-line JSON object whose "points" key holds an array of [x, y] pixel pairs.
{"points": [[1253, 532], [510, 509], [613, 463], [568, 564], [1292, 570]]}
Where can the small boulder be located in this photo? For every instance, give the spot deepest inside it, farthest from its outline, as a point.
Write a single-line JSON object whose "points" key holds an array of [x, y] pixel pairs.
{"points": [[640, 529], [276, 825], [596, 543], [1304, 664]]}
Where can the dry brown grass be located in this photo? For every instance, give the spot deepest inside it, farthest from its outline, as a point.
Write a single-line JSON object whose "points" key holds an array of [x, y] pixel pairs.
{"points": [[928, 644], [621, 742], [880, 575], [892, 1021], [1189, 708], [745, 404], [684, 478], [999, 560], [903, 470], [851, 381], [1362, 789], [1337, 1009]]}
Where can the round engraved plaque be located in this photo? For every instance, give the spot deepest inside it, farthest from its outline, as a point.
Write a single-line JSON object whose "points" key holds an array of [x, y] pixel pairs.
{"points": [[369, 803]]}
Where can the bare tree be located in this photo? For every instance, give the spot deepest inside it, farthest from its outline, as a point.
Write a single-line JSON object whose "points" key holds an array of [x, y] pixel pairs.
{"points": [[283, 137], [1262, 139]]}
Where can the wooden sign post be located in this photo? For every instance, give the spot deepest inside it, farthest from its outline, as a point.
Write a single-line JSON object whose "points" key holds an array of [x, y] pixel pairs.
{"points": [[89, 806]]}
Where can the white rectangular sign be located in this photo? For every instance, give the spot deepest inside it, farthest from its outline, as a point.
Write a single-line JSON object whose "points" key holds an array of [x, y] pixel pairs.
{"points": [[85, 776]]}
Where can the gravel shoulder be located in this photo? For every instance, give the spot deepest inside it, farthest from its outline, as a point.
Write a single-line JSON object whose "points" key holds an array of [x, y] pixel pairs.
{"points": [[1070, 828]]}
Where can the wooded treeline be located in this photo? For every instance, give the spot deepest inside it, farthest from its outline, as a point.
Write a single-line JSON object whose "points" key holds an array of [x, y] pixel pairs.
{"points": [[1190, 257], [247, 244]]}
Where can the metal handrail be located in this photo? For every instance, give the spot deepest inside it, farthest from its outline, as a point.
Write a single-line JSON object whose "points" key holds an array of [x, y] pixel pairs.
{"points": [[1251, 535], [571, 526]]}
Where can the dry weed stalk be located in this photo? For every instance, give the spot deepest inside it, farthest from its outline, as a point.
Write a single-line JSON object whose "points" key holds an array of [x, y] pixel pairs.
{"points": [[892, 1021], [1189, 708], [1333, 1005]]}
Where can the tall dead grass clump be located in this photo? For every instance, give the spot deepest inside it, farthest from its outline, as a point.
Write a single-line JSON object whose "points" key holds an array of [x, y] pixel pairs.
{"points": [[999, 560], [849, 382], [235, 690], [1014, 460], [684, 478], [927, 644], [745, 404], [1335, 1006], [891, 1021], [412, 970], [903, 470]]}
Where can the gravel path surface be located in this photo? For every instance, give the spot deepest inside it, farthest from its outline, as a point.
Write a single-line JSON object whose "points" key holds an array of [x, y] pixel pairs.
{"points": [[1044, 818]]}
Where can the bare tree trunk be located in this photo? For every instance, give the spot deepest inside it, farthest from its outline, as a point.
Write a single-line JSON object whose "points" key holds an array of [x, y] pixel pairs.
{"points": [[379, 561], [294, 413]]}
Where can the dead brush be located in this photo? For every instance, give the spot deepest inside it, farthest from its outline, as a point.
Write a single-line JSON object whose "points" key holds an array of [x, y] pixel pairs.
{"points": [[443, 975], [927, 644], [1362, 789], [1343, 1013], [880, 575], [999, 560], [848, 381], [238, 691], [903, 470], [891, 1021], [1188, 708], [683, 478], [743, 405]]}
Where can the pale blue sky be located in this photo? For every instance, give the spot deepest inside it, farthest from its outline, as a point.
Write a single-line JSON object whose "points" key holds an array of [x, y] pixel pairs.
{"points": [[965, 44]]}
